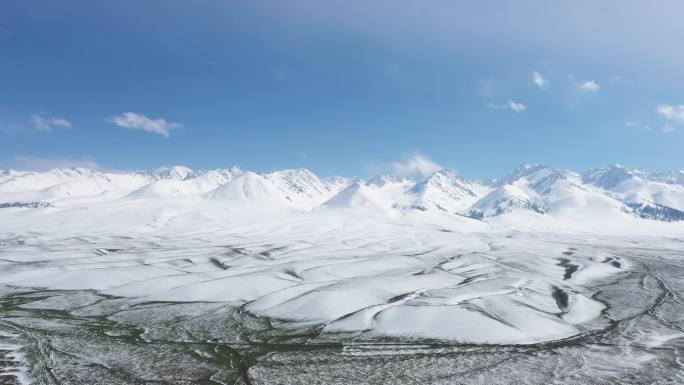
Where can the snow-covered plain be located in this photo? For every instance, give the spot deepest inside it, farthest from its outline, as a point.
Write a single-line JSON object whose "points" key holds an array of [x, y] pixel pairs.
{"points": [[540, 256]]}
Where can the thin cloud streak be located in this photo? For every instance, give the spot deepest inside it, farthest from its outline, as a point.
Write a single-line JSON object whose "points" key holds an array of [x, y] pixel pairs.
{"points": [[46, 124], [136, 121]]}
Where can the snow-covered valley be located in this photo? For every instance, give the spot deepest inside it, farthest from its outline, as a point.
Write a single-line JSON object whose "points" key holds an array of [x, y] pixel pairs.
{"points": [[228, 276]]}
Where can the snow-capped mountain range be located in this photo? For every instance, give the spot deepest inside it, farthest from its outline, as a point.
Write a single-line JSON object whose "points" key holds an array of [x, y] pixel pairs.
{"points": [[532, 188], [517, 260]]}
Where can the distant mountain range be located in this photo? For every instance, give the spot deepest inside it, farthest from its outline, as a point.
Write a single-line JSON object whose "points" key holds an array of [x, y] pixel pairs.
{"points": [[532, 188]]}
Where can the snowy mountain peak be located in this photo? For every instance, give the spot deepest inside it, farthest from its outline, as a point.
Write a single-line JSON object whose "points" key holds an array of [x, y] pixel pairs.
{"points": [[610, 176], [519, 172], [443, 179], [537, 177], [175, 172], [384, 180], [235, 170], [442, 191], [359, 196], [302, 187], [444, 182], [672, 177], [249, 187], [294, 175], [649, 195], [543, 189]]}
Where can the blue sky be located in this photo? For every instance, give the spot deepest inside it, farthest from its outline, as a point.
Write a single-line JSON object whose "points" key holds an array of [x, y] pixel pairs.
{"points": [[341, 87]]}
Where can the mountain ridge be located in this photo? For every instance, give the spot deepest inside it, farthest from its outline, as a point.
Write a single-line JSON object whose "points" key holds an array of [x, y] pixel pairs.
{"points": [[535, 188]]}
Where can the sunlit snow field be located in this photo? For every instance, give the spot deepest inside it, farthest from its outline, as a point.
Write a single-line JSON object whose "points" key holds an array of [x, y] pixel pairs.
{"points": [[191, 290]]}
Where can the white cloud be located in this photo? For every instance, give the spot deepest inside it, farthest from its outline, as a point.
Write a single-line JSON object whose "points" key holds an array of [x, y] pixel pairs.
{"points": [[668, 128], [674, 113], [45, 123], [416, 166], [141, 122], [37, 163], [517, 107], [589, 86], [509, 105], [631, 124], [539, 80]]}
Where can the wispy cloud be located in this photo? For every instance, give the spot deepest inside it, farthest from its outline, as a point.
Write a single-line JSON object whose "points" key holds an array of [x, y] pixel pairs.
{"points": [[416, 166], [637, 125], [674, 113], [539, 80], [45, 123], [589, 86], [517, 107], [33, 123], [509, 105], [137, 121], [668, 128], [42, 163]]}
